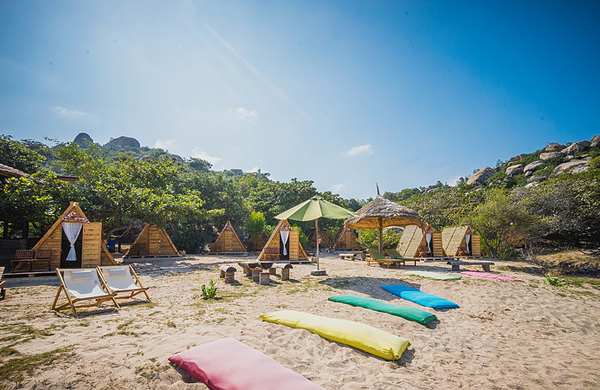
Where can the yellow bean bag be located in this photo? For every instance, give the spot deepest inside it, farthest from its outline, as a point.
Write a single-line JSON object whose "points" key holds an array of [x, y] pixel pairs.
{"points": [[361, 336]]}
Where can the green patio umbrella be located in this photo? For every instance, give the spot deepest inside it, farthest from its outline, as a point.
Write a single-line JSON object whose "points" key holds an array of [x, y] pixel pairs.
{"points": [[313, 209]]}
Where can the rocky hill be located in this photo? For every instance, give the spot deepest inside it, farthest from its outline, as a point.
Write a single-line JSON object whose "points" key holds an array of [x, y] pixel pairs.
{"points": [[553, 160]]}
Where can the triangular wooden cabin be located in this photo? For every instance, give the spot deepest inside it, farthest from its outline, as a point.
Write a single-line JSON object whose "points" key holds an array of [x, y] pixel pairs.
{"points": [[460, 241], [346, 240], [418, 243], [86, 250], [283, 245], [228, 242], [152, 242], [312, 241]]}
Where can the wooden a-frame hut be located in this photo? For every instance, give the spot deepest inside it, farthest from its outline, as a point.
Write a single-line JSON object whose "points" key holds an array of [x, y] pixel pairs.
{"points": [[346, 240], [228, 242], [75, 242], [460, 241], [416, 242], [312, 239], [283, 245], [152, 242]]}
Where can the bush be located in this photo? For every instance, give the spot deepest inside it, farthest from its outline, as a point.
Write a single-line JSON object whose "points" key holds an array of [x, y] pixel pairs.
{"points": [[369, 238], [209, 292]]}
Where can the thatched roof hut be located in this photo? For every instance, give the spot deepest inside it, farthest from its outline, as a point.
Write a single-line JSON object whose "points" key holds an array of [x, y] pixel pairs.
{"points": [[7, 171], [380, 213]]}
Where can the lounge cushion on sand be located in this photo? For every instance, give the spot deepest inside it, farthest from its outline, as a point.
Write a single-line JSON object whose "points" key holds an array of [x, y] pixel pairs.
{"points": [[355, 334], [435, 275], [416, 296], [232, 365], [409, 313]]}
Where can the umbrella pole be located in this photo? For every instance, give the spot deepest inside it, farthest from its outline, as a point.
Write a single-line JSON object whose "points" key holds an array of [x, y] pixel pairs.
{"points": [[380, 236], [317, 225]]}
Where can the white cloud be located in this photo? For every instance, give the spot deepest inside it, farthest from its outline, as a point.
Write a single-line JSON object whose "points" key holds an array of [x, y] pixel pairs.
{"points": [[164, 144], [241, 113], [255, 169], [69, 113], [453, 182], [205, 156], [336, 188], [358, 150]]}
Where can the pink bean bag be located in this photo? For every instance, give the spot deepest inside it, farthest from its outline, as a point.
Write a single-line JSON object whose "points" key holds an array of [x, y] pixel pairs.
{"points": [[228, 364], [489, 276]]}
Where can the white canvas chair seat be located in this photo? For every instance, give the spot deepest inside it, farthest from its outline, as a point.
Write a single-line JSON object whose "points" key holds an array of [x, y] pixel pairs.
{"points": [[81, 285], [122, 279]]}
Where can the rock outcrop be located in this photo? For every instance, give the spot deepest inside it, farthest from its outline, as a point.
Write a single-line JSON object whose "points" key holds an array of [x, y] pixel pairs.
{"points": [[514, 170], [554, 147], [550, 155], [595, 142], [518, 157], [573, 167], [575, 148], [530, 168], [83, 139], [480, 177], [123, 142]]}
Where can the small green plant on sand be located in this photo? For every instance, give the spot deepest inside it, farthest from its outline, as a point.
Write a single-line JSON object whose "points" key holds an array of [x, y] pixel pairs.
{"points": [[553, 281], [209, 292]]}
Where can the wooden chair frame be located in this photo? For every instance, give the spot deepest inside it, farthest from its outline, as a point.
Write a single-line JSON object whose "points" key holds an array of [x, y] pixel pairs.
{"points": [[133, 291], [72, 301]]}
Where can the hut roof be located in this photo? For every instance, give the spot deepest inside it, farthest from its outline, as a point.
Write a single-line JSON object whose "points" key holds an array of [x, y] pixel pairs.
{"points": [[386, 211], [7, 171]]}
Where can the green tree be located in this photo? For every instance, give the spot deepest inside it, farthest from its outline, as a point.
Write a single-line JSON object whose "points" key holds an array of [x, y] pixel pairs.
{"points": [[16, 155], [256, 227]]}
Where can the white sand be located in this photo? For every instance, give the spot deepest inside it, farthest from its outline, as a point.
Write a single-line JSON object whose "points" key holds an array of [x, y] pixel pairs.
{"points": [[505, 335]]}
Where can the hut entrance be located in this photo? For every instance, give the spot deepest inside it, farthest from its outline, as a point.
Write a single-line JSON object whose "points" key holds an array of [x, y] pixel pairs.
{"points": [[284, 244], [72, 240]]}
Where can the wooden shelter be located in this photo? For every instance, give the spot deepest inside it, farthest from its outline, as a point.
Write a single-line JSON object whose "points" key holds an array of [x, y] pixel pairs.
{"points": [[152, 242], [283, 245], [460, 241], [380, 213], [312, 239], [346, 240], [75, 242], [416, 242], [228, 242]]}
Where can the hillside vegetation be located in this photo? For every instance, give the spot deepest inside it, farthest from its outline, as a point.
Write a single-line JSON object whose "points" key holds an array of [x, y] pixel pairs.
{"points": [[517, 209]]}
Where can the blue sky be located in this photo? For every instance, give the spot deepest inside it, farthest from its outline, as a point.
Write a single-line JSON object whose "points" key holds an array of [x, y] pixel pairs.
{"points": [[345, 93]]}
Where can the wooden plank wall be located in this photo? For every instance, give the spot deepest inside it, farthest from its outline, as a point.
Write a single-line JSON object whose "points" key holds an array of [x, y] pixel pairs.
{"points": [[476, 245], [54, 242], [403, 246], [294, 240], [92, 240], [438, 249]]}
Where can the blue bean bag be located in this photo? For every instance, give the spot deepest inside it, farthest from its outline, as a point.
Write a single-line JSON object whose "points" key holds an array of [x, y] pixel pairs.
{"points": [[416, 296]]}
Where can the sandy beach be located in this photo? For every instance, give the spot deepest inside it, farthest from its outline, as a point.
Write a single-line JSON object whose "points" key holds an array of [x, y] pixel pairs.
{"points": [[505, 335]]}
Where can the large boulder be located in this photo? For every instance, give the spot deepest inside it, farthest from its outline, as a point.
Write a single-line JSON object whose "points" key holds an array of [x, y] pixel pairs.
{"points": [[83, 139], [123, 142], [595, 142], [575, 148], [574, 166], [518, 157], [530, 168], [554, 147], [514, 170], [550, 155], [479, 178]]}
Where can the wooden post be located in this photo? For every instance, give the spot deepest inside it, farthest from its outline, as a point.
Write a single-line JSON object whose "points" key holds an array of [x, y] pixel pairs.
{"points": [[380, 235], [265, 278]]}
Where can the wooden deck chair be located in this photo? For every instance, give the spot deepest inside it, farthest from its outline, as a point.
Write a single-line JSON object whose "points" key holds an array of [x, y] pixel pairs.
{"points": [[122, 279], [81, 284]]}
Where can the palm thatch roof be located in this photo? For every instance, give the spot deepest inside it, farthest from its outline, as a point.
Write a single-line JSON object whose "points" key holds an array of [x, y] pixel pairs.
{"points": [[382, 212], [7, 171]]}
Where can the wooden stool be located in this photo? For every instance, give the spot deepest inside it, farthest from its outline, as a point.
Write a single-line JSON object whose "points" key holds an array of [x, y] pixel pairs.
{"points": [[228, 272], [264, 278], [256, 274]]}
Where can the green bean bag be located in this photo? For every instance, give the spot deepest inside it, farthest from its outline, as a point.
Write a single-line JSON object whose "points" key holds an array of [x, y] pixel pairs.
{"points": [[435, 275], [410, 313], [355, 334]]}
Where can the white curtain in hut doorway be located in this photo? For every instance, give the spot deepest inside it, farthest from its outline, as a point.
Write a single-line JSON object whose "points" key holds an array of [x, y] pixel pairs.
{"points": [[428, 237], [72, 231], [284, 238], [468, 241]]}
